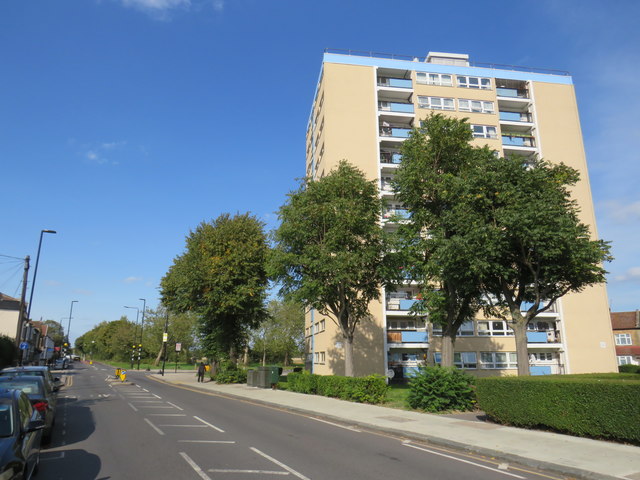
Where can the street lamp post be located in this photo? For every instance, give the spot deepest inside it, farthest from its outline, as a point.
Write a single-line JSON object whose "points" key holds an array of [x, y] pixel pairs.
{"points": [[35, 271], [135, 336], [165, 337], [144, 306], [69, 324]]}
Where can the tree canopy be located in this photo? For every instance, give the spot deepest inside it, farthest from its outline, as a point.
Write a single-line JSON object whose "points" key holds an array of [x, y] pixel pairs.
{"points": [[329, 249], [221, 278]]}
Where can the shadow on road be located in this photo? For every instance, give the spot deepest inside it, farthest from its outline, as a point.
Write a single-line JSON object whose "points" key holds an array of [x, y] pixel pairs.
{"points": [[71, 465]]}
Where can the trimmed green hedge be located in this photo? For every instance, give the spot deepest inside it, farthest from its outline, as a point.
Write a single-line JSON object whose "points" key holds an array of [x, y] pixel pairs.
{"points": [[597, 406], [629, 368], [370, 389]]}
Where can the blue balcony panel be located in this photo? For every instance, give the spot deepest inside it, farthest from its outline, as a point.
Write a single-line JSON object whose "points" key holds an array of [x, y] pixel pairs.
{"points": [[400, 132], [399, 83], [410, 372], [537, 337], [540, 370], [510, 116], [401, 107], [406, 304], [415, 337]]}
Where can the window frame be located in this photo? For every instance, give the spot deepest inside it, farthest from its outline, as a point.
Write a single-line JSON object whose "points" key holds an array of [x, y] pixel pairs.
{"points": [[624, 359], [492, 331], [467, 84], [430, 105], [623, 339], [485, 131], [435, 79], [494, 364], [486, 106]]}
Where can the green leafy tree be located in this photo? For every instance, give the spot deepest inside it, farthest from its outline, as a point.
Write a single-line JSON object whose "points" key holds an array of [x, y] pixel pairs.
{"points": [[533, 241], [221, 278], [55, 331], [440, 249], [109, 340], [281, 337], [329, 249], [182, 328]]}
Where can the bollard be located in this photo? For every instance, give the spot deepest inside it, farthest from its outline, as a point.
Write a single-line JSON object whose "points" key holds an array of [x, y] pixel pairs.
{"points": [[123, 375]]}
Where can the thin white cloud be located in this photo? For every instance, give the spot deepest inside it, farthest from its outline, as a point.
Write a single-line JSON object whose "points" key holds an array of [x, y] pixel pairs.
{"points": [[631, 275], [156, 5], [52, 283], [132, 279], [629, 213], [97, 153], [218, 5], [83, 292]]}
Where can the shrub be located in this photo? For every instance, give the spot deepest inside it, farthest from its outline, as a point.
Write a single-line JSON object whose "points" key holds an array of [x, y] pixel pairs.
{"points": [[438, 389], [370, 389], [228, 372], [8, 351], [629, 368], [596, 406]]}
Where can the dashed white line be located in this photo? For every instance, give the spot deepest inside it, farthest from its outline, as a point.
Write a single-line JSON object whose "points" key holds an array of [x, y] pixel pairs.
{"points": [[153, 426], [175, 406], [208, 424], [195, 466], [134, 408], [263, 472], [461, 460], [166, 414], [157, 396], [206, 441], [280, 464], [184, 426]]}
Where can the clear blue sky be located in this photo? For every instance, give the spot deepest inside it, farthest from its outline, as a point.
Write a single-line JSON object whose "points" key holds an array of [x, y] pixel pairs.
{"points": [[125, 123]]}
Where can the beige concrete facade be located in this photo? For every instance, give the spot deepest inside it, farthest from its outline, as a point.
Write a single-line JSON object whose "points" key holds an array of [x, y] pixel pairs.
{"points": [[363, 109]]}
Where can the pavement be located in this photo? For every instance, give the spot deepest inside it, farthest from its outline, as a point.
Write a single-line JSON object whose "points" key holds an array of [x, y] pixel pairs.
{"points": [[564, 454]]}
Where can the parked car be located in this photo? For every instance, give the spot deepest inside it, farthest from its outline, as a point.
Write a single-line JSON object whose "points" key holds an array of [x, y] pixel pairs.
{"points": [[54, 383], [61, 364], [42, 399], [20, 434]]}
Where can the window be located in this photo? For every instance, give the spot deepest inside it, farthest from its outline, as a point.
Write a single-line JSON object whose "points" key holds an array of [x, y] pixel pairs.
{"points": [[440, 79], [466, 329], [436, 103], [465, 360], [494, 329], [436, 330], [319, 357], [474, 82], [541, 357], [498, 360], [624, 360], [405, 324], [484, 131], [319, 326], [623, 338], [475, 106]]}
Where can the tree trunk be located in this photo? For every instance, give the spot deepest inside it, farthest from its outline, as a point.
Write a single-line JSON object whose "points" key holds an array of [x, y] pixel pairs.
{"points": [[519, 328], [159, 357], [348, 356], [448, 343], [245, 360], [264, 357], [286, 359], [233, 355]]}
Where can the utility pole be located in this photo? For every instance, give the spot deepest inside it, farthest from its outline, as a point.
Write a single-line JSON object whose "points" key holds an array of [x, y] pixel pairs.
{"points": [[23, 297], [165, 337]]}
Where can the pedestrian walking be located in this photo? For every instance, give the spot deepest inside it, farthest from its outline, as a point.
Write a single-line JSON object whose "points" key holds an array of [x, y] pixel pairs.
{"points": [[201, 372]]}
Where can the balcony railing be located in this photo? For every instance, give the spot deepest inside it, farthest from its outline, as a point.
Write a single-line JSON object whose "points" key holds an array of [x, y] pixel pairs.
{"points": [[397, 132], [516, 140], [400, 304], [408, 337], [399, 214], [515, 117], [390, 157], [394, 82], [512, 92], [396, 107]]}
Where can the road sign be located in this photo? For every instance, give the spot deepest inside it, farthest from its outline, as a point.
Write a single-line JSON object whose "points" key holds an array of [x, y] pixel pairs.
{"points": [[24, 345], [165, 337], [178, 347]]}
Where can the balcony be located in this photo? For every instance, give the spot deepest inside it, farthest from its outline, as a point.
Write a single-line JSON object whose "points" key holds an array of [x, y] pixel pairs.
{"points": [[517, 140], [390, 157], [401, 304], [512, 92], [522, 117], [395, 107], [394, 82], [394, 132], [412, 337]]}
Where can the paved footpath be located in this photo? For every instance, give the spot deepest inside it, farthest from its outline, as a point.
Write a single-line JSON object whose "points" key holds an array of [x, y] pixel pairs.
{"points": [[564, 454]]}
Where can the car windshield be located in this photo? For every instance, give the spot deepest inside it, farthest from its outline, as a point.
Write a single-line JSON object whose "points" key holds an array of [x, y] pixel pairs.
{"points": [[23, 373], [6, 420], [28, 387]]}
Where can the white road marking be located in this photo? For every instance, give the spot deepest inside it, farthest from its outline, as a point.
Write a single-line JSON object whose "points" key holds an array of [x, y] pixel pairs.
{"points": [[145, 389], [346, 427], [280, 464], [153, 406], [208, 424], [461, 460], [205, 441], [166, 414], [263, 472], [153, 426], [195, 466], [134, 408], [184, 426], [157, 396], [175, 406], [146, 401]]}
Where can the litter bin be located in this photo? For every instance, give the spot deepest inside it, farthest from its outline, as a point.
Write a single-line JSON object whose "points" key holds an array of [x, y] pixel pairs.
{"points": [[262, 377], [251, 378]]}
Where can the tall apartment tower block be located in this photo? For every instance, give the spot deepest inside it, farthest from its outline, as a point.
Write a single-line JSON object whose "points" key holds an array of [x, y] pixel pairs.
{"points": [[363, 109]]}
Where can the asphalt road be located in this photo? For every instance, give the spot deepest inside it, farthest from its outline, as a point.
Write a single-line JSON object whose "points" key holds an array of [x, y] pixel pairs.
{"points": [[146, 429]]}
